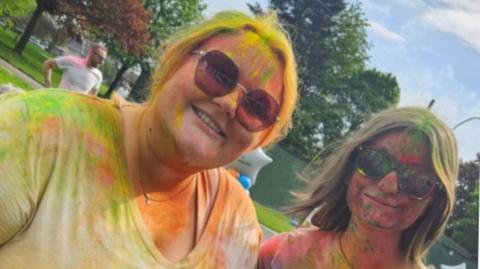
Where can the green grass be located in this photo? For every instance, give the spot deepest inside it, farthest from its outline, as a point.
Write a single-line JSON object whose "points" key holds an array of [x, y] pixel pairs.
{"points": [[273, 219], [7, 77], [31, 60]]}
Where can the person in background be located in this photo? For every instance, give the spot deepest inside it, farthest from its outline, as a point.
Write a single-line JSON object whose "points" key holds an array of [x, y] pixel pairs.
{"points": [[79, 74], [379, 200], [94, 183]]}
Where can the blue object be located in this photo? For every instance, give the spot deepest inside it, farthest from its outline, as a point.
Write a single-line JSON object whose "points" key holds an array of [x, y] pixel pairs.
{"points": [[245, 181]]}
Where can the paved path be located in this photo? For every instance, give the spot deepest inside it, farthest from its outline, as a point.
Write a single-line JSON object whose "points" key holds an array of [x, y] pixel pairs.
{"points": [[10, 68]]}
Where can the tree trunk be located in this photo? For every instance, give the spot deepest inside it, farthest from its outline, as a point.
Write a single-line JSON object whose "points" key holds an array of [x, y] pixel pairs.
{"points": [[20, 46], [141, 88], [115, 81]]}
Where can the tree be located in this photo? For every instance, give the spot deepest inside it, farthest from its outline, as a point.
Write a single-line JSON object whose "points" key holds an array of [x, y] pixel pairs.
{"points": [[463, 225], [16, 8], [465, 229], [126, 21], [49, 30], [168, 16], [337, 91]]}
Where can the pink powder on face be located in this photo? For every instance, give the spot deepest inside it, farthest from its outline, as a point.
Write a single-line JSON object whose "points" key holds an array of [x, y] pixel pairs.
{"points": [[413, 159]]}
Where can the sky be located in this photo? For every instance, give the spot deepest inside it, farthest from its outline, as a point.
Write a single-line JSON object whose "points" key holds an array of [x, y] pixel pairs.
{"points": [[432, 48]]}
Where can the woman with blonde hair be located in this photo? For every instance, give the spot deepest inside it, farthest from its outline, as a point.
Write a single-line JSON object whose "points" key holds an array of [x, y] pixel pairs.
{"points": [[89, 183], [379, 200]]}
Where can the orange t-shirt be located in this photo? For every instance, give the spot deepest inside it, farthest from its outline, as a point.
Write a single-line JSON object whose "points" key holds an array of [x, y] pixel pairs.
{"points": [[66, 202]]}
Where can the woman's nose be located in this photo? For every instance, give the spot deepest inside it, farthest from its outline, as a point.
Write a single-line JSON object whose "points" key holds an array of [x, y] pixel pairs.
{"points": [[229, 102], [389, 183]]}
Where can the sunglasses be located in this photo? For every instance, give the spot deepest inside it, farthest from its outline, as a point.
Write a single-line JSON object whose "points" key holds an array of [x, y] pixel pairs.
{"points": [[375, 164], [217, 75]]}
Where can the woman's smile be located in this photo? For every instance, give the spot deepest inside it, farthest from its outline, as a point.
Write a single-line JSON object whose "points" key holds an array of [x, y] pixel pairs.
{"points": [[381, 202], [209, 122]]}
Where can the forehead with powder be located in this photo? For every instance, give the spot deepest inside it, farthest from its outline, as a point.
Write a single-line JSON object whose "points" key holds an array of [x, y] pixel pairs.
{"points": [[408, 146], [255, 50]]}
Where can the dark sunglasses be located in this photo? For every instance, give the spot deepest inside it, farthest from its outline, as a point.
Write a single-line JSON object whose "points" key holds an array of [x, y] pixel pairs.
{"points": [[375, 164], [217, 75]]}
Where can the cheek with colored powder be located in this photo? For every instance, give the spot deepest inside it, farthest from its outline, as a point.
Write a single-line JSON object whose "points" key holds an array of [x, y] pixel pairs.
{"points": [[413, 211], [178, 116]]}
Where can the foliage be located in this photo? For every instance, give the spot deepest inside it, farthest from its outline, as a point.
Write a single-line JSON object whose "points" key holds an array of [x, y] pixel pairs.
{"points": [[16, 8], [50, 30], [126, 21], [168, 16], [463, 225], [466, 229], [337, 91], [109, 69], [31, 63]]}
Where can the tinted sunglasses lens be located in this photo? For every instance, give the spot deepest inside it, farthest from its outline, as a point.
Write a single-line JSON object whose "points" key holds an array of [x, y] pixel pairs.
{"points": [[373, 164], [257, 110], [416, 184], [216, 74]]}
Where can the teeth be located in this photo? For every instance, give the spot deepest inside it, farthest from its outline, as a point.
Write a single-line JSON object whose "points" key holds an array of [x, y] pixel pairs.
{"points": [[204, 117]]}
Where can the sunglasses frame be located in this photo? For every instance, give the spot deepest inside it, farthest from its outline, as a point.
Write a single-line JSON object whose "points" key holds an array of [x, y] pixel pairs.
{"points": [[398, 168], [202, 53]]}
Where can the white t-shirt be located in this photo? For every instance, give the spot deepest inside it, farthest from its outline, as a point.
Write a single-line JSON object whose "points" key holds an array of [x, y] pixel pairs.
{"points": [[77, 76]]}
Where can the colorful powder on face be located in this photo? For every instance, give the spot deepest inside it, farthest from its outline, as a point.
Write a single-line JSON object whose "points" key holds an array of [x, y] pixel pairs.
{"points": [[259, 54], [267, 73], [368, 245], [178, 117], [412, 159]]}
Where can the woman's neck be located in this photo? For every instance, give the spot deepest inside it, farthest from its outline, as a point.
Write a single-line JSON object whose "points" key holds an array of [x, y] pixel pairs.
{"points": [[365, 246], [159, 174]]}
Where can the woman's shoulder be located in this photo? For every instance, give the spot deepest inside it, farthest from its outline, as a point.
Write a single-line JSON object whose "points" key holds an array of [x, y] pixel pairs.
{"points": [[295, 248], [305, 237], [66, 104]]}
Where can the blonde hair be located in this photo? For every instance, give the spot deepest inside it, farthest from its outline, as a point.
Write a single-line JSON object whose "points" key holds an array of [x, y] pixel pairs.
{"points": [[329, 178], [171, 56]]}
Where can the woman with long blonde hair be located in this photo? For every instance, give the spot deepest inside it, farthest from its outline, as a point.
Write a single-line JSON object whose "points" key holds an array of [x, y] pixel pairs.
{"points": [[378, 200]]}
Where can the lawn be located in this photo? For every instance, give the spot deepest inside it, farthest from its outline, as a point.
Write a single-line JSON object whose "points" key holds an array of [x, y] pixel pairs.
{"points": [[7, 77], [31, 60], [273, 219]]}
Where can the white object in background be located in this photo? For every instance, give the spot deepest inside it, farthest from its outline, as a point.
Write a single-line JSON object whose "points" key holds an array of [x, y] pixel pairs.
{"points": [[460, 266], [9, 88], [250, 164]]}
